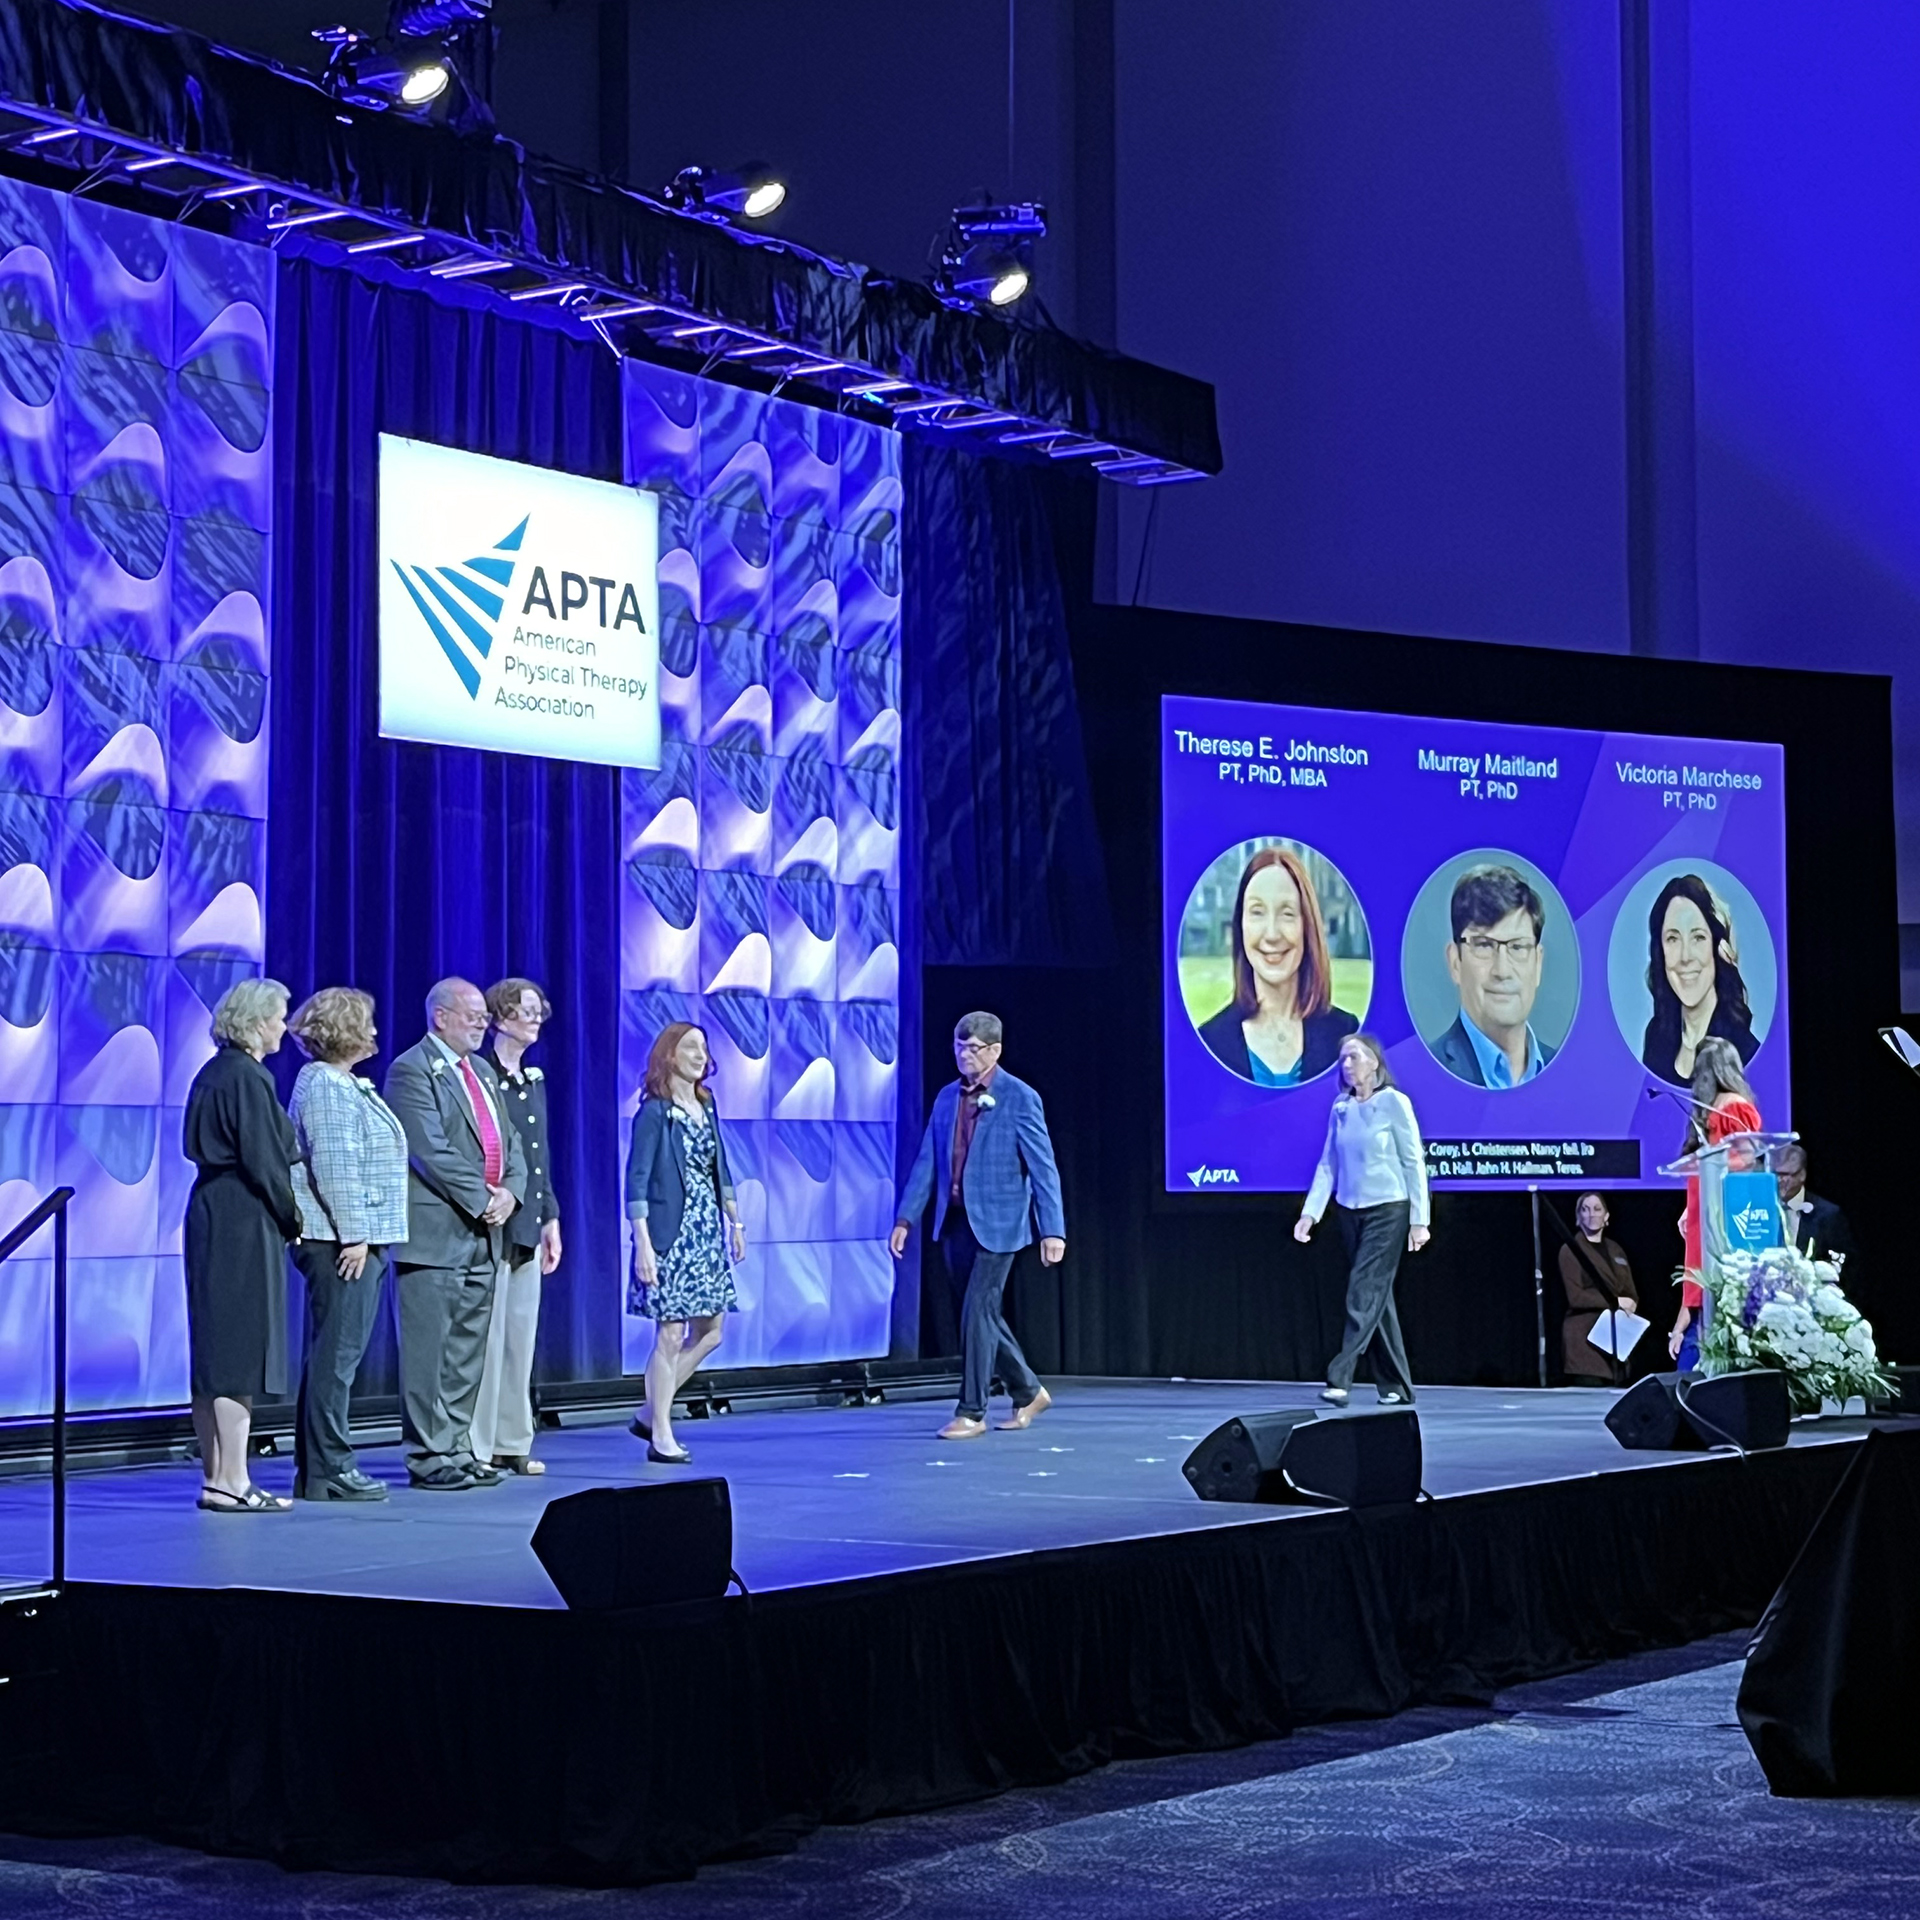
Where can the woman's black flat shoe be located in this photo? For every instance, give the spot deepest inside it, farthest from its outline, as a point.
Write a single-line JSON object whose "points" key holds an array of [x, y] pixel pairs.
{"points": [[659, 1459]]}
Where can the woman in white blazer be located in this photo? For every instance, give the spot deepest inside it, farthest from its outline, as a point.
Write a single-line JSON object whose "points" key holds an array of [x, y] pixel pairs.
{"points": [[351, 1185]]}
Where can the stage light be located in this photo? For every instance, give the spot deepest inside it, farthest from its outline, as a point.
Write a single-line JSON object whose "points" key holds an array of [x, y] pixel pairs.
{"points": [[752, 191], [988, 256], [363, 73], [426, 82], [412, 68]]}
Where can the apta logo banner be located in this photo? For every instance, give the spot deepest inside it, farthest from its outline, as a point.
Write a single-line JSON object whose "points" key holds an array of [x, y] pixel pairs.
{"points": [[519, 608]]}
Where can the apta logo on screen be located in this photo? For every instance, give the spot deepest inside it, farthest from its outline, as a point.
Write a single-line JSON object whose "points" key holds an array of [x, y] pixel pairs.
{"points": [[455, 603], [465, 593], [551, 631], [1206, 1176]]}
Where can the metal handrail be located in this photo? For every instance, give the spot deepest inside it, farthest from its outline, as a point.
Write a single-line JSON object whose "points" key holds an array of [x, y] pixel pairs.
{"points": [[54, 1208]]}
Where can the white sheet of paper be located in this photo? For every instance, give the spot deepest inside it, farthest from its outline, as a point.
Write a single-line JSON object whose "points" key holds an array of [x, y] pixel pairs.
{"points": [[1903, 1043], [1616, 1334]]}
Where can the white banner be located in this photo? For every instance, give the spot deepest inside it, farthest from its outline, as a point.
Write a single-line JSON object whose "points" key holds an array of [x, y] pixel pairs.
{"points": [[519, 608]]}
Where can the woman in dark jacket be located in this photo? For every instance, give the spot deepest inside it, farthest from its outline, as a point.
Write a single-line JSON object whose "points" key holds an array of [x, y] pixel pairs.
{"points": [[686, 1226], [240, 1217], [1597, 1278], [1281, 1027]]}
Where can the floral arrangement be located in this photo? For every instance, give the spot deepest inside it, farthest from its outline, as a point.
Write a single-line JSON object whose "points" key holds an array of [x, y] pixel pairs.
{"points": [[1778, 1308]]}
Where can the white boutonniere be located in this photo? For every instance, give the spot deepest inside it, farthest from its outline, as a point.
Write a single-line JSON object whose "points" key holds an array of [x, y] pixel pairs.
{"points": [[438, 1064], [983, 1101], [535, 1073]]}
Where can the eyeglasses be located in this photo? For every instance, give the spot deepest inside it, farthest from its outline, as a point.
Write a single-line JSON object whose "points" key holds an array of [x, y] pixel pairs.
{"points": [[974, 1046], [1483, 949]]}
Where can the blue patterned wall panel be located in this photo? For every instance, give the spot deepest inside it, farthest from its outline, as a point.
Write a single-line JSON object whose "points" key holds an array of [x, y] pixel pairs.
{"points": [[762, 861], [135, 514]]}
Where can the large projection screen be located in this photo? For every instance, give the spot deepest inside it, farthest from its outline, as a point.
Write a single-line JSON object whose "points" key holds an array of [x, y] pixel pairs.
{"points": [[1535, 921]]}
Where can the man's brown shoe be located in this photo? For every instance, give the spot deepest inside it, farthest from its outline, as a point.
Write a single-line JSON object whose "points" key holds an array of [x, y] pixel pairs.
{"points": [[1023, 1417]]}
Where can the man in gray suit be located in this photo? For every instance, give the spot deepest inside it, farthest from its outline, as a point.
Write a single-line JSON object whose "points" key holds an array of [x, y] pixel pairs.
{"points": [[466, 1174]]}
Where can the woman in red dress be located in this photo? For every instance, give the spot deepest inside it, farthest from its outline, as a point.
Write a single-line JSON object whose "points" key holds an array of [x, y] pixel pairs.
{"points": [[1723, 1106]]}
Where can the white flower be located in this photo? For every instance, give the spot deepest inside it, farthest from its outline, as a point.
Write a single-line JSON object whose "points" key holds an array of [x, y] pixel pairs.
{"points": [[534, 1073], [982, 1101], [1831, 1304], [1859, 1339], [1826, 1273]]}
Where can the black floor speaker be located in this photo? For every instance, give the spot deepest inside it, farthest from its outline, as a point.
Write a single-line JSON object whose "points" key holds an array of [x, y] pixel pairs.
{"points": [[645, 1546], [1352, 1460], [1688, 1412]]}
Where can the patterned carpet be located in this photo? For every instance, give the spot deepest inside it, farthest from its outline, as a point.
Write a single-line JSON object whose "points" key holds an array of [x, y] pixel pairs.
{"points": [[1624, 1791]]}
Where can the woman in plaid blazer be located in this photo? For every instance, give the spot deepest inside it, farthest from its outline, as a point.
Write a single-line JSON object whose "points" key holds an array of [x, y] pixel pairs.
{"points": [[351, 1185]]}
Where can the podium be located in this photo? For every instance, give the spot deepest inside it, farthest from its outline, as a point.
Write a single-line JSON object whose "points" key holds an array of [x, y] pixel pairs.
{"points": [[1738, 1198]]}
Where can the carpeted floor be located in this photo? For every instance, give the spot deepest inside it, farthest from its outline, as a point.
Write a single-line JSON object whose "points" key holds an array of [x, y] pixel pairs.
{"points": [[1625, 1791]]}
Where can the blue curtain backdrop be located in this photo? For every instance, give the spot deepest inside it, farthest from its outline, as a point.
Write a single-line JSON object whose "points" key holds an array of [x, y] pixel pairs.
{"points": [[1011, 872], [390, 865]]}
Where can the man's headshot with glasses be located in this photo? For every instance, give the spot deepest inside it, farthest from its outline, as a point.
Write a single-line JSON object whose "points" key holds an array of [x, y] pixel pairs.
{"points": [[1495, 960]]}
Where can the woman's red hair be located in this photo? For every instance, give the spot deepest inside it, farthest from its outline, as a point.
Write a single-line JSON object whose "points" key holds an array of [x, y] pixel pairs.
{"points": [[658, 1083]]}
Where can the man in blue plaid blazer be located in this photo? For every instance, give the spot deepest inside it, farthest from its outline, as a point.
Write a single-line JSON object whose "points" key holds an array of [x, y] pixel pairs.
{"points": [[987, 1164]]}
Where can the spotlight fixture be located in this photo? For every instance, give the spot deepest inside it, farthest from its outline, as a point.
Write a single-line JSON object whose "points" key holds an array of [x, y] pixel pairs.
{"points": [[988, 256], [752, 191], [361, 72], [412, 66]]}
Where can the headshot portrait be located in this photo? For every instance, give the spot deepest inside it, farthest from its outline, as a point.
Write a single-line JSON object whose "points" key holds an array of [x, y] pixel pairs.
{"points": [[1276, 964], [1690, 959], [1491, 969]]}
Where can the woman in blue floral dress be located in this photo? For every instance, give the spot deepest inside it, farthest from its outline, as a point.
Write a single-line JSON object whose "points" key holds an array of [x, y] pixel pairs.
{"points": [[687, 1231]]}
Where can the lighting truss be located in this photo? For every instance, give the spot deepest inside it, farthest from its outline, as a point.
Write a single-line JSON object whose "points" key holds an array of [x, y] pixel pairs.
{"points": [[622, 316]]}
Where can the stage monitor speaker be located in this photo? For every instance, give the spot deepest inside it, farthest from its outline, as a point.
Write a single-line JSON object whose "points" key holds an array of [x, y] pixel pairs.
{"points": [[1355, 1460], [1647, 1417], [1751, 1410], [1687, 1412], [615, 1547]]}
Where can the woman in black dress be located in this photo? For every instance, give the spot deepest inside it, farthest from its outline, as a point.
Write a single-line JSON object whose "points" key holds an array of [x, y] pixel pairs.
{"points": [[240, 1217]]}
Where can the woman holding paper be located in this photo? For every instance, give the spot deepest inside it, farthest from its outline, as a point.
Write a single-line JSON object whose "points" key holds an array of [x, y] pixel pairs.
{"points": [[1597, 1279], [1374, 1167]]}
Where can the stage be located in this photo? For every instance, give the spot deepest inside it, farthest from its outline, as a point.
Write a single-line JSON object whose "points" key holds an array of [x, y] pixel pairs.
{"points": [[818, 1496], [928, 1622]]}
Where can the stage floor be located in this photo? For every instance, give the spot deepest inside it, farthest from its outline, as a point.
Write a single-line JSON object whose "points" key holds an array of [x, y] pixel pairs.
{"points": [[818, 1495]]}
